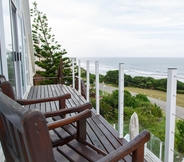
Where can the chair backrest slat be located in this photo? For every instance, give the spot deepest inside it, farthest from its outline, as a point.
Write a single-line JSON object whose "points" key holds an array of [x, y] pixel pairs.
{"points": [[7, 89], [18, 142]]}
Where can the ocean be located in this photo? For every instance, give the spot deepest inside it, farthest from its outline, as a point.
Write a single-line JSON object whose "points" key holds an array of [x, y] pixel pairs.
{"points": [[155, 67]]}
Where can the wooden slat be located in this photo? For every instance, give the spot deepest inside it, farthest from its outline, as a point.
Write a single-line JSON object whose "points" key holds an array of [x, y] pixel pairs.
{"points": [[84, 151], [60, 134], [43, 105], [59, 91], [100, 136], [94, 139], [70, 154], [109, 128], [76, 151], [38, 105], [58, 156], [48, 104], [52, 104], [75, 96], [112, 140]]}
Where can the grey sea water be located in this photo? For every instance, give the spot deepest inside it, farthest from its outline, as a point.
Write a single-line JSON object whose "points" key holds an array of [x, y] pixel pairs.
{"points": [[155, 67]]}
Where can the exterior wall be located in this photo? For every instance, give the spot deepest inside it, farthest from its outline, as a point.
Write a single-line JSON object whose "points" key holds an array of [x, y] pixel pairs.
{"points": [[27, 20]]}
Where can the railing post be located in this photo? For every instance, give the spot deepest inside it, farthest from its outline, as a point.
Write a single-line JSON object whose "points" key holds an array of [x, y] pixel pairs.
{"points": [[73, 72], [170, 115], [97, 87], [87, 77], [145, 149], [160, 155], [79, 77], [121, 101]]}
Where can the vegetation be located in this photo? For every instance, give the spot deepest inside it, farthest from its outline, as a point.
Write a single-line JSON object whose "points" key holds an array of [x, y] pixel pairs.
{"points": [[47, 49], [139, 104], [150, 115], [180, 137], [111, 77]]}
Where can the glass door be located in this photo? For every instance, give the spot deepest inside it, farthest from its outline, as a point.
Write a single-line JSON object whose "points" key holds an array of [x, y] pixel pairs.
{"points": [[17, 52], [0, 55]]}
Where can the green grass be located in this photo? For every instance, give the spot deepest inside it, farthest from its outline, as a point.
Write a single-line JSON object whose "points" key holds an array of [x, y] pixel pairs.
{"points": [[157, 94]]}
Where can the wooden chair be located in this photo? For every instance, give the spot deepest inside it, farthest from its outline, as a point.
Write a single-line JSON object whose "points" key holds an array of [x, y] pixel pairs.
{"points": [[58, 136], [21, 144]]}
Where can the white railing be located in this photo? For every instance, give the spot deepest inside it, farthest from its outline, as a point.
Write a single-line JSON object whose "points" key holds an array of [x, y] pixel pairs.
{"points": [[121, 101], [73, 72], [170, 115], [97, 88], [87, 81], [79, 76], [170, 106]]}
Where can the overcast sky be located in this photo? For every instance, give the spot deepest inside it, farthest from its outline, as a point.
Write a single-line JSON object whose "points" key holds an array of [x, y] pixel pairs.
{"points": [[117, 28]]}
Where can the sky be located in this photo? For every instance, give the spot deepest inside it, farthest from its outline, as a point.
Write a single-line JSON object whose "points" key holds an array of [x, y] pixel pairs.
{"points": [[117, 28]]}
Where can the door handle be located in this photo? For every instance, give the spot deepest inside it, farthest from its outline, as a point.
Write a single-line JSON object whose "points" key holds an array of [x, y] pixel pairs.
{"points": [[14, 56], [19, 57]]}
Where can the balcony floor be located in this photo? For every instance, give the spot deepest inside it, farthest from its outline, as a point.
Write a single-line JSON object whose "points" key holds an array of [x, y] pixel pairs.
{"points": [[99, 132]]}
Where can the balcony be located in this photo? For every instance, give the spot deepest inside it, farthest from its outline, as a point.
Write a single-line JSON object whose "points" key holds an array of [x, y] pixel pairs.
{"points": [[99, 132]]}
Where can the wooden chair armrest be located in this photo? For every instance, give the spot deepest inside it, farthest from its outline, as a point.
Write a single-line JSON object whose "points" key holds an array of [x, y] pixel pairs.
{"points": [[60, 98], [133, 146], [69, 110], [59, 123]]}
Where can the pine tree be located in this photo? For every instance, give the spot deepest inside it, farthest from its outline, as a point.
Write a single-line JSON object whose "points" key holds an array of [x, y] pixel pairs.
{"points": [[46, 49]]}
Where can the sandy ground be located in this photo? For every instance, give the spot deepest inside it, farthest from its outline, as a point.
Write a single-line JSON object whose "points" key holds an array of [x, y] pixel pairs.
{"points": [[162, 104]]}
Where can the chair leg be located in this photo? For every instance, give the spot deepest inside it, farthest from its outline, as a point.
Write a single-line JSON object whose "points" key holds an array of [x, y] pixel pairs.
{"points": [[81, 129], [138, 155]]}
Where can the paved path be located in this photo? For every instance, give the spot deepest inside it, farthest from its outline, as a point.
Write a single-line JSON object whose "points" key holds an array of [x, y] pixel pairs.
{"points": [[162, 104]]}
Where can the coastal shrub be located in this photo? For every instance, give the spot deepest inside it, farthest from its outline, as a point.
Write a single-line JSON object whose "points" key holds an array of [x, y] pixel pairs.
{"points": [[180, 91], [92, 78], [106, 110], [129, 100], [128, 111], [160, 89], [113, 102], [147, 120], [128, 80], [83, 73], [150, 116], [101, 78], [149, 85], [180, 85], [156, 111], [162, 83], [180, 137], [112, 77], [142, 97]]}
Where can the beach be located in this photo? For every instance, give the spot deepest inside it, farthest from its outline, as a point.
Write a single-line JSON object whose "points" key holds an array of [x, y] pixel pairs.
{"points": [[155, 67]]}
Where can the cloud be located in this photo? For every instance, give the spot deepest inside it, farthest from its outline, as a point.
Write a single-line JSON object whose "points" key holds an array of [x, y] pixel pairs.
{"points": [[116, 28]]}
